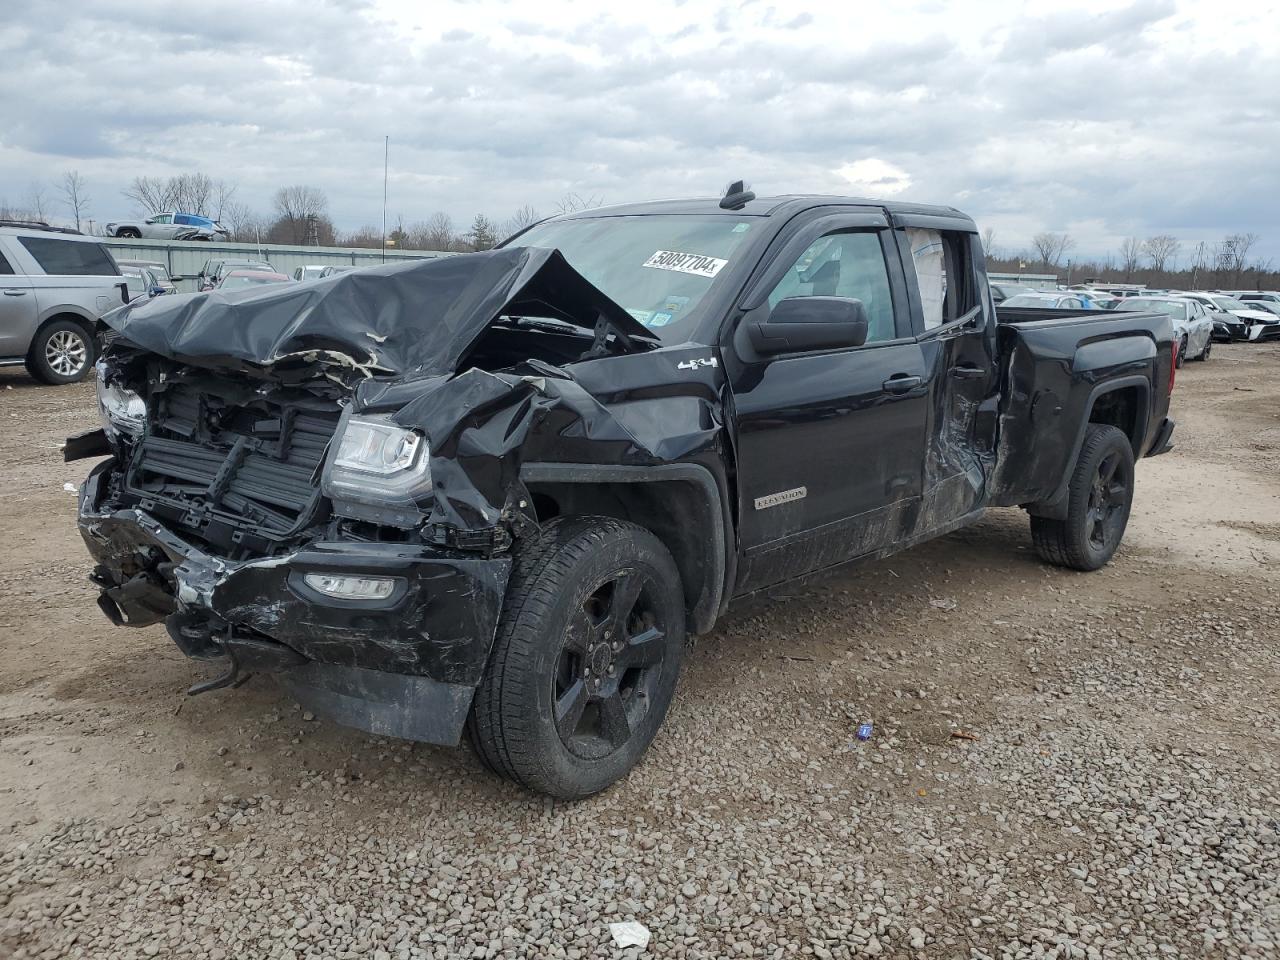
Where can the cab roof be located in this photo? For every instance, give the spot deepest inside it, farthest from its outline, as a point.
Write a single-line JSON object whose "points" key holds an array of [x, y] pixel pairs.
{"points": [[785, 205]]}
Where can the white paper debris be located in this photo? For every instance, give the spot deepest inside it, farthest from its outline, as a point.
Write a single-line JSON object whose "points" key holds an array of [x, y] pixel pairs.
{"points": [[70, 487], [632, 933]]}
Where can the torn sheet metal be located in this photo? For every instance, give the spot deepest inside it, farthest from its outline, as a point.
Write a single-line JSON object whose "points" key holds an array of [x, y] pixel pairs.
{"points": [[481, 426], [417, 318]]}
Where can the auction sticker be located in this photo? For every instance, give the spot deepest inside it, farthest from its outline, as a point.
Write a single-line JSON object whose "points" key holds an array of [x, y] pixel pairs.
{"points": [[693, 263]]}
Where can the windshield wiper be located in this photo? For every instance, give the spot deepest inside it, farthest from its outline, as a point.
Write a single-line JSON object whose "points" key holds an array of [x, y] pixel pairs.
{"points": [[550, 324]]}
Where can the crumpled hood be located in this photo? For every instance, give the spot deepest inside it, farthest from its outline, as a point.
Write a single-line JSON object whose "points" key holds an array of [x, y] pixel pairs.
{"points": [[417, 318]]}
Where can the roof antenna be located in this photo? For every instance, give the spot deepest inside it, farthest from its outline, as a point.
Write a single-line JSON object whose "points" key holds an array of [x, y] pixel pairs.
{"points": [[736, 196]]}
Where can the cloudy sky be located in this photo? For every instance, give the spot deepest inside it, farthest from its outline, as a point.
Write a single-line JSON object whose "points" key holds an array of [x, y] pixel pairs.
{"points": [[1088, 117]]}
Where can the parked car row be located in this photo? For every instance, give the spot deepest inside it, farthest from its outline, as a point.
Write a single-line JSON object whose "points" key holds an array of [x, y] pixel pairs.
{"points": [[55, 283], [1200, 317]]}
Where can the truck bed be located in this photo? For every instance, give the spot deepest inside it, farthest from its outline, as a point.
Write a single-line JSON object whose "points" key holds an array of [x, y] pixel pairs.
{"points": [[1057, 366]]}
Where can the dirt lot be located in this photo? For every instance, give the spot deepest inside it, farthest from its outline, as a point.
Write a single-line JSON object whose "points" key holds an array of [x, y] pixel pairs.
{"points": [[1062, 765]]}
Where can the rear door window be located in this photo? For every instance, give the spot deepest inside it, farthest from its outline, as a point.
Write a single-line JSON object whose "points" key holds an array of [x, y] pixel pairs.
{"points": [[945, 273], [70, 257]]}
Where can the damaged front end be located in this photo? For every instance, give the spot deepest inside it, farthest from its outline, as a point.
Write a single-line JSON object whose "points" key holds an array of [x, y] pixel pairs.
{"points": [[300, 483]]}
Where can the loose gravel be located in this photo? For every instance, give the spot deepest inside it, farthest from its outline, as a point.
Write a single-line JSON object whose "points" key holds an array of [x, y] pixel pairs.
{"points": [[1061, 765]]}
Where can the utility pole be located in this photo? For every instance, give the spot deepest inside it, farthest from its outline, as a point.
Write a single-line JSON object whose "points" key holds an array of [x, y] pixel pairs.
{"points": [[386, 155]]}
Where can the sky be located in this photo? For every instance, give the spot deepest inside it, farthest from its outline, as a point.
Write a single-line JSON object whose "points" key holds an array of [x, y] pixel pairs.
{"points": [[1097, 119]]}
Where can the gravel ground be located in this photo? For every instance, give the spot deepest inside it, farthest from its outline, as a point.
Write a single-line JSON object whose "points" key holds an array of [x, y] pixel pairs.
{"points": [[1062, 765]]}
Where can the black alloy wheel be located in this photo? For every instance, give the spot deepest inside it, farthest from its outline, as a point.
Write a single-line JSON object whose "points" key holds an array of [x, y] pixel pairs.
{"points": [[609, 666]]}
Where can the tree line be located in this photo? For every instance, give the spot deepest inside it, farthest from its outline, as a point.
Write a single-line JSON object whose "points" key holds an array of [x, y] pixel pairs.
{"points": [[1157, 261], [299, 214]]}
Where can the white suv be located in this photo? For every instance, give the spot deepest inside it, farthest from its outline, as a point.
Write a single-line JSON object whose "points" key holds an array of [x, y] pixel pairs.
{"points": [[54, 285]]}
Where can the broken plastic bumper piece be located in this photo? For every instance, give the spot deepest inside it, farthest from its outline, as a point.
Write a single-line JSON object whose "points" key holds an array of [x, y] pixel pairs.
{"points": [[358, 631]]}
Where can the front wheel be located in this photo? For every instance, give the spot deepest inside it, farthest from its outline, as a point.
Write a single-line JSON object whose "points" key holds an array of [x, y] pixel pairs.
{"points": [[1208, 346], [1099, 498], [1181, 358], [128, 233], [62, 352], [585, 660]]}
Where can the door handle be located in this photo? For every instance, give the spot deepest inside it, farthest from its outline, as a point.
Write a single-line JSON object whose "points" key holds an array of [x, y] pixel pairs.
{"points": [[967, 371], [15, 293], [900, 384]]}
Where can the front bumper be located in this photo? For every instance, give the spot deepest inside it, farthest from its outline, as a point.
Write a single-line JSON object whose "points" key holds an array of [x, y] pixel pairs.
{"points": [[404, 666]]}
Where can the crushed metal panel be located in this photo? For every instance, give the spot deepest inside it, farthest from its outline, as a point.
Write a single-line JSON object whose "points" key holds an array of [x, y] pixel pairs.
{"points": [[416, 318]]}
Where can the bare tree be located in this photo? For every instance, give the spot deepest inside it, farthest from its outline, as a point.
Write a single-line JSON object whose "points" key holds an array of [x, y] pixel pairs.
{"points": [[1051, 246], [12, 211], [1161, 250], [437, 233], [369, 236], [573, 202], [526, 216], [1238, 246], [989, 241], [73, 192], [223, 196], [149, 194], [1130, 256], [193, 192], [243, 224], [38, 200], [298, 209]]}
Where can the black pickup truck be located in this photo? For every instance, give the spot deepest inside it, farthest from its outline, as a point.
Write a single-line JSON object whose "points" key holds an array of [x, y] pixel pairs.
{"points": [[494, 493]]}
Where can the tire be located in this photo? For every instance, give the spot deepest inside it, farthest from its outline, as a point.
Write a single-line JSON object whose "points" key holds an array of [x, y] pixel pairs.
{"points": [[1182, 353], [567, 706], [1208, 347], [62, 352], [129, 233], [1099, 498]]}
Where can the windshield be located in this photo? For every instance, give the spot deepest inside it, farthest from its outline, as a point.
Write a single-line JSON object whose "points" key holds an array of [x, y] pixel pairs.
{"points": [[658, 268], [1176, 310], [1029, 300], [1228, 303]]}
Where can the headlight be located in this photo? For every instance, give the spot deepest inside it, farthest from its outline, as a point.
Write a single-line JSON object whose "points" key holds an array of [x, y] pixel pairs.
{"points": [[122, 410], [379, 464]]}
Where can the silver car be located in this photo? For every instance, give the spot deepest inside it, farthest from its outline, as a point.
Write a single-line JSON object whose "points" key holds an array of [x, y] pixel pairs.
{"points": [[54, 285], [169, 226], [1192, 323]]}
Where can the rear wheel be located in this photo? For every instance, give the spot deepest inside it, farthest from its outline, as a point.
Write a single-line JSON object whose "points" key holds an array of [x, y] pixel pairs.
{"points": [[62, 352], [585, 660], [1099, 498]]}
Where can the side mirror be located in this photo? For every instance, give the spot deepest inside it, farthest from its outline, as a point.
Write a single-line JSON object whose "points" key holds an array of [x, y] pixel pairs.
{"points": [[798, 324]]}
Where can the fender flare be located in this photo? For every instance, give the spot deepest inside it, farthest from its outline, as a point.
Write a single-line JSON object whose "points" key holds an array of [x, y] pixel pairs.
{"points": [[1055, 505], [720, 561]]}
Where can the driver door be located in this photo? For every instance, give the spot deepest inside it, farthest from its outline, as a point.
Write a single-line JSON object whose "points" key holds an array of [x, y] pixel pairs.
{"points": [[830, 443], [160, 227]]}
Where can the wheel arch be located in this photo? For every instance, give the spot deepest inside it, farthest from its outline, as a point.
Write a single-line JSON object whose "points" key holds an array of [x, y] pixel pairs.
{"points": [[1124, 403], [56, 314], [682, 504]]}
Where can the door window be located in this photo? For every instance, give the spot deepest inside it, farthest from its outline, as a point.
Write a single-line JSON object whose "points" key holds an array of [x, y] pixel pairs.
{"points": [[70, 257], [844, 265], [944, 271], [162, 218], [5, 269]]}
